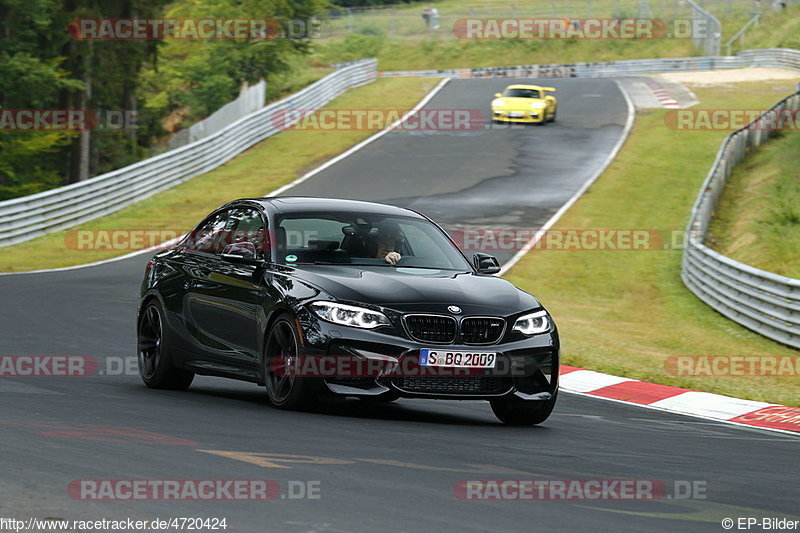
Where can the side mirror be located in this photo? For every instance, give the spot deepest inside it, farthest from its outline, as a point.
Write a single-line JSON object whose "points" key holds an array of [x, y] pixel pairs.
{"points": [[498, 95], [241, 252], [485, 263]]}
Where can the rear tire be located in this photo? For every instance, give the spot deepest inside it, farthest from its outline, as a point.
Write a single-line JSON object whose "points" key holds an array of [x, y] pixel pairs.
{"points": [[285, 390], [518, 412], [153, 347]]}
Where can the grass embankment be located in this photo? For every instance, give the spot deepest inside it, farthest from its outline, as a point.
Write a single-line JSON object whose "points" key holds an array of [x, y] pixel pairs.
{"points": [[626, 312], [758, 219], [399, 40], [261, 169], [441, 54]]}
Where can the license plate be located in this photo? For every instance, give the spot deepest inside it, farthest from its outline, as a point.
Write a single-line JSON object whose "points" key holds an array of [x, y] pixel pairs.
{"points": [[431, 357], [515, 114]]}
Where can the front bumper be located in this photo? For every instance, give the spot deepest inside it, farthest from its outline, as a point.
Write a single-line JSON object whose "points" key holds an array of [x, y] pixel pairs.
{"points": [[376, 363], [526, 116]]}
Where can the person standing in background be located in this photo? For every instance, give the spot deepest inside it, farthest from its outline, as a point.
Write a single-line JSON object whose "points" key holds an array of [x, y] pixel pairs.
{"points": [[434, 21]]}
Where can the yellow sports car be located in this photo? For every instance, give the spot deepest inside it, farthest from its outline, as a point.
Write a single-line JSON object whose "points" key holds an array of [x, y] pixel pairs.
{"points": [[525, 103]]}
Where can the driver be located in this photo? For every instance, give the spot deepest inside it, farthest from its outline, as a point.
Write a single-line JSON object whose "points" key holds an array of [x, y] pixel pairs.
{"points": [[387, 242]]}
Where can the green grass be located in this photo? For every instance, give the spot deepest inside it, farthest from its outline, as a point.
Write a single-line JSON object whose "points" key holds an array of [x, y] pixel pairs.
{"points": [[775, 30], [406, 22], [432, 54], [261, 169], [618, 312], [300, 74], [626, 312], [758, 219], [398, 38]]}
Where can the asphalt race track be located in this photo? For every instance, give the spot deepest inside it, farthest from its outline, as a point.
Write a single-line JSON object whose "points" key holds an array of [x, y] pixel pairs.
{"points": [[496, 176], [380, 467]]}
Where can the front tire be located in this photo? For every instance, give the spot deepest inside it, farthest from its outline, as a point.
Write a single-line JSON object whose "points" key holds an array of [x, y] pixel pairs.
{"points": [[155, 361], [284, 389], [518, 412]]}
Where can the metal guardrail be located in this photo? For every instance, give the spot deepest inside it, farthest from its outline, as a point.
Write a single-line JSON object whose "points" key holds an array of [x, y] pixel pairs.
{"points": [[585, 69], [27, 217], [769, 57], [761, 301], [249, 101]]}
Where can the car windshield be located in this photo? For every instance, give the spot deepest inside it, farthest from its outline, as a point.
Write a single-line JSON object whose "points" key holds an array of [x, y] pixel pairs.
{"points": [[521, 93], [364, 239]]}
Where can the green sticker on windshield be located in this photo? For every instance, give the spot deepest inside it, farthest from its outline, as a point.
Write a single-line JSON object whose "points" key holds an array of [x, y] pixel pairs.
{"points": [[291, 258]]}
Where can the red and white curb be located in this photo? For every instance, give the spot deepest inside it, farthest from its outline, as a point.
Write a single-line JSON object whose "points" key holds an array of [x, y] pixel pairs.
{"points": [[662, 95], [682, 401]]}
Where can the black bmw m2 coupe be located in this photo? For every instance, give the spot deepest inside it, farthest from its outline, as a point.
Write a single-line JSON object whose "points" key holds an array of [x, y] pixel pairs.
{"points": [[315, 296]]}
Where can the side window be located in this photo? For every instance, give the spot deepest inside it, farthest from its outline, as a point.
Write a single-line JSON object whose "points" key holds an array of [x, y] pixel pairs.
{"points": [[246, 225], [311, 233], [209, 236]]}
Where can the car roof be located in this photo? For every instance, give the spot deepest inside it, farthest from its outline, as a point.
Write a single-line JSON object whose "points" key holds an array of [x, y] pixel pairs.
{"points": [[294, 204], [537, 87]]}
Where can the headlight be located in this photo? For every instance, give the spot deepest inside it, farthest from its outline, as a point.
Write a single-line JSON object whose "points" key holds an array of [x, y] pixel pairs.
{"points": [[538, 105], [498, 103], [532, 324], [349, 315]]}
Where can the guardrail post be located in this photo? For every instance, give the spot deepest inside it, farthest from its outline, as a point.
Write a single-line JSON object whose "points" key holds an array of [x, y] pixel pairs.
{"points": [[709, 43]]}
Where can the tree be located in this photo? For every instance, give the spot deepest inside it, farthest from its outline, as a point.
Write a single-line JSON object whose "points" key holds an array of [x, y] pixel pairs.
{"points": [[42, 66], [31, 76]]}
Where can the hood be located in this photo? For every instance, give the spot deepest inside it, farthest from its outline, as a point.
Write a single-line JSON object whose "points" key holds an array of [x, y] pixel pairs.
{"points": [[417, 289], [520, 103]]}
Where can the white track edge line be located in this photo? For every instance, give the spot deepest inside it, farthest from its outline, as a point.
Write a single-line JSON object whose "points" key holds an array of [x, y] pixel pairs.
{"points": [[674, 411], [588, 183], [427, 98], [506, 267], [547, 225], [277, 191]]}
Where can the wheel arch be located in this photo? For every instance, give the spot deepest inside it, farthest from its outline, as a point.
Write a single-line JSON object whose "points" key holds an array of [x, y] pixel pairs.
{"points": [[273, 317]]}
